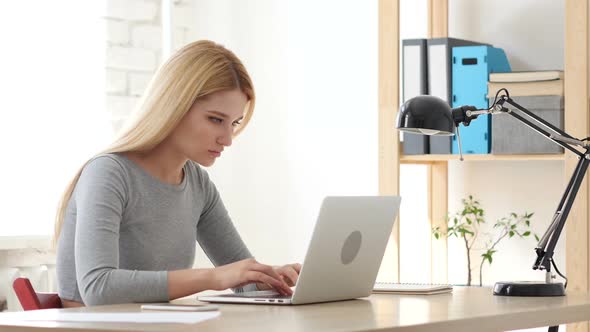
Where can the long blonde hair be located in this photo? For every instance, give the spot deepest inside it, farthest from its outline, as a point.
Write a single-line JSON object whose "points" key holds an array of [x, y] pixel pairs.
{"points": [[195, 71]]}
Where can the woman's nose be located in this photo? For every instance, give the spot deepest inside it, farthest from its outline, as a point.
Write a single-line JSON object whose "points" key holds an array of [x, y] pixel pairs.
{"points": [[226, 139]]}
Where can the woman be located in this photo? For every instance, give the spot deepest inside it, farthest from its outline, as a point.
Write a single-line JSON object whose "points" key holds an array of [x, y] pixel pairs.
{"points": [[127, 224]]}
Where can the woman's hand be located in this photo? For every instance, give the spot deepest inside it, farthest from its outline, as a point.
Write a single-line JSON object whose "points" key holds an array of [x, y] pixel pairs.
{"points": [[289, 273], [249, 271]]}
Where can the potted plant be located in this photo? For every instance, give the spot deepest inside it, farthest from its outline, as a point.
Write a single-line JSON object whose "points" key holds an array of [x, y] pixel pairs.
{"points": [[466, 224]]}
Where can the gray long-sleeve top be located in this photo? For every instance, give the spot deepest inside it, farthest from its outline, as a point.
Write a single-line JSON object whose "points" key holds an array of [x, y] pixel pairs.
{"points": [[124, 229]]}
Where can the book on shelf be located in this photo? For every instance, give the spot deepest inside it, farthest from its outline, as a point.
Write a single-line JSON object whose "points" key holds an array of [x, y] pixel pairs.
{"points": [[540, 88], [411, 289], [527, 76]]}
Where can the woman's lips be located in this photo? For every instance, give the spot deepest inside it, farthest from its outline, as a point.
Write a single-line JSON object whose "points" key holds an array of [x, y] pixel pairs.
{"points": [[215, 153]]}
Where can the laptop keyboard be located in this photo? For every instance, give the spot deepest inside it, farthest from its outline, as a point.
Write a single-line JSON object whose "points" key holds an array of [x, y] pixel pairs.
{"points": [[261, 294]]}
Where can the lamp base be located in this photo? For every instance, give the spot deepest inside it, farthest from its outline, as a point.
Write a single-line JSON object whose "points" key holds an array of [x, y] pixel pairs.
{"points": [[528, 288]]}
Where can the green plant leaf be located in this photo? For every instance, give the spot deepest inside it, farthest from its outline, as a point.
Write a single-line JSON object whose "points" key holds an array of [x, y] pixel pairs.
{"points": [[487, 257], [527, 233], [537, 238], [511, 234]]}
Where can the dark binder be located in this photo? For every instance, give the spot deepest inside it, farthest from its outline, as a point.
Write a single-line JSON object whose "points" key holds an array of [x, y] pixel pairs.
{"points": [[414, 76], [440, 80]]}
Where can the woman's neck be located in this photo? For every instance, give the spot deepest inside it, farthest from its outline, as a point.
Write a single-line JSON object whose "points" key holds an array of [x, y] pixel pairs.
{"points": [[160, 162]]}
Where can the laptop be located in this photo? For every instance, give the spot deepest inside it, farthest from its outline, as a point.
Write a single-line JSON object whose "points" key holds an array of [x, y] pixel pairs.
{"points": [[343, 256]]}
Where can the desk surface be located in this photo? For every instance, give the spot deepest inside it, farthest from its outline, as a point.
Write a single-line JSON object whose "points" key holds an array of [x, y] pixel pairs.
{"points": [[466, 309]]}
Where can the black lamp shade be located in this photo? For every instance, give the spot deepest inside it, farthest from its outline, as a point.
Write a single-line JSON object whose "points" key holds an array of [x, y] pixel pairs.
{"points": [[426, 115]]}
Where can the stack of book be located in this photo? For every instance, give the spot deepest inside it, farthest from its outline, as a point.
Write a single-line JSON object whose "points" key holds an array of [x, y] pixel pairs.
{"points": [[527, 83]]}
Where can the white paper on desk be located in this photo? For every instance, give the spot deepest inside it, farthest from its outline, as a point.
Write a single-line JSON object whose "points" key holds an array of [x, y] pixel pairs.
{"points": [[119, 317]]}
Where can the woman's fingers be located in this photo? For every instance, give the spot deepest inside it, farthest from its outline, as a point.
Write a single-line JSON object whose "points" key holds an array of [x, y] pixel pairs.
{"points": [[290, 274], [281, 278], [265, 278], [270, 271], [297, 267]]}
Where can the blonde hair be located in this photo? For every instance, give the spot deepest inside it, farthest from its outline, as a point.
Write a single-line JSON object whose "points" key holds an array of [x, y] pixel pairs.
{"points": [[195, 71]]}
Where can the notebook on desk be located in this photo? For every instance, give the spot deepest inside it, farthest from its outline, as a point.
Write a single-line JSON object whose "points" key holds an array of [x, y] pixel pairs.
{"points": [[411, 289], [343, 256]]}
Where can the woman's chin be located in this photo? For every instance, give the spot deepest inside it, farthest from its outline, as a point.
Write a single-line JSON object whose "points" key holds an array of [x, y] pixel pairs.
{"points": [[205, 162]]}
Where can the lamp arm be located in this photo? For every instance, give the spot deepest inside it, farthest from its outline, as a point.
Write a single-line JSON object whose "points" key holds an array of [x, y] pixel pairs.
{"points": [[546, 246], [465, 114]]}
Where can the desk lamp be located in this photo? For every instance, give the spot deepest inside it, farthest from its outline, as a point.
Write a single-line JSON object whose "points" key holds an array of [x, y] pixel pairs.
{"points": [[429, 115]]}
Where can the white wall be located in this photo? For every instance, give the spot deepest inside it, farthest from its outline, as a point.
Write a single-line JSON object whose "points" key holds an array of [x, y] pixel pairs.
{"points": [[504, 187], [314, 130], [531, 32], [51, 82]]}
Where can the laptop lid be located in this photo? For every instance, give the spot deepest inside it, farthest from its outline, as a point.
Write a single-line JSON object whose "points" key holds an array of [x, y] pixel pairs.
{"points": [[346, 248], [344, 254]]}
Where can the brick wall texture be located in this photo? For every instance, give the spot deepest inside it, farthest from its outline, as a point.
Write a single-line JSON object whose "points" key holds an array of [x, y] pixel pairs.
{"points": [[134, 49]]}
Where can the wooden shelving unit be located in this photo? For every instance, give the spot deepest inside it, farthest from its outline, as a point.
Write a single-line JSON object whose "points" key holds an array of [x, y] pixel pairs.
{"points": [[577, 124], [429, 158]]}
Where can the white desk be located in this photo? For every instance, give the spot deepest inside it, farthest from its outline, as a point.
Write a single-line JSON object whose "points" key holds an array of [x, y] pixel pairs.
{"points": [[466, 309]]}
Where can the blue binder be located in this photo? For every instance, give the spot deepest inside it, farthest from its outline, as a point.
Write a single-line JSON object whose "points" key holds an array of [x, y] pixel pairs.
{"points": [[472, 66], [440, 71]]}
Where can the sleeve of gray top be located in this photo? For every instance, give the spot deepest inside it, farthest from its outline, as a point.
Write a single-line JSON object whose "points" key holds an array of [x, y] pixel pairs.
{"points": [[101, 196], [217, 234]]}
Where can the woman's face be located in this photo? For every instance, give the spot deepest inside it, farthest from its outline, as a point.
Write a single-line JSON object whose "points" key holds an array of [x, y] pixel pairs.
{"points": [[208, 127]]}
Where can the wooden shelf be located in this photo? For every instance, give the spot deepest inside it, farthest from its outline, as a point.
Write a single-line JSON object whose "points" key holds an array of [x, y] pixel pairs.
{"points": [[429, 158]]}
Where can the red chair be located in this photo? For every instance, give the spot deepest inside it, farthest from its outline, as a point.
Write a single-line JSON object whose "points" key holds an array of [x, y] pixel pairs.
{"points": [[31, 300]]}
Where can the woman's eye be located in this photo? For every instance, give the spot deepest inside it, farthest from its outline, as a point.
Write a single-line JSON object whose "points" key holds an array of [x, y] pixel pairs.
{"points": [[216, 120], [237, 123]]}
